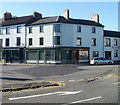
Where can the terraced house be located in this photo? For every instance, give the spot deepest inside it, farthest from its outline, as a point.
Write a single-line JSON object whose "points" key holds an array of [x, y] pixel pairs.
{"points": [[57, 39]]}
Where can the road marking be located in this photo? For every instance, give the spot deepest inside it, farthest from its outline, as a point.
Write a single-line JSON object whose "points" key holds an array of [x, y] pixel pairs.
{"points": [[69, 93], [116, 83], [80, 80], [86, 100], [40, 95], [61, 81], [71, 80]]}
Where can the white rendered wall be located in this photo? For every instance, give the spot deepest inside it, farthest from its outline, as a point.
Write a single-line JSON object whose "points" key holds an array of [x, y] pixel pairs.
{"points": [[13, 35]]}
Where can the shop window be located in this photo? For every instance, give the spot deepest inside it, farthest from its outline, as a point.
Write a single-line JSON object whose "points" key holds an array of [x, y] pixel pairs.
{"points": [[83, 55], [32, 55], [41, 55]]}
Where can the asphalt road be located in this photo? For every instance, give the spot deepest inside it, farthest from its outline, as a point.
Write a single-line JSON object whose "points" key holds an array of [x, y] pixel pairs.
{"points": [[102, 90]]}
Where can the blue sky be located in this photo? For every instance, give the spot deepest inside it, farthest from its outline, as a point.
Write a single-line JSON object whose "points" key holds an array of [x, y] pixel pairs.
{"points": [[108, 11]]}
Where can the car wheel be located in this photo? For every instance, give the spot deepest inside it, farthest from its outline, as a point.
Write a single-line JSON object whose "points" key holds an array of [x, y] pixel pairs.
{"points": [[96, 63], [110, 63]]}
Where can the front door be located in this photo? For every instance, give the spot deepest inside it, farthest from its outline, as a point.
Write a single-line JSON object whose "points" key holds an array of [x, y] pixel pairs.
{"points": [[108, 54]]}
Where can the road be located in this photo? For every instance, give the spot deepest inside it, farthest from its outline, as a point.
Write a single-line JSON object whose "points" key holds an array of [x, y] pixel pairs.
{"points": [[104, 89]]}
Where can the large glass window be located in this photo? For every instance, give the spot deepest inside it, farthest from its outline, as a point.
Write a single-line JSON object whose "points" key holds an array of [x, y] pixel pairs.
{"points": [[57, 27], [93, 41], [32, 55], [41, 55], [57, 55], [107, 42], [83, 55], [7, 42]]}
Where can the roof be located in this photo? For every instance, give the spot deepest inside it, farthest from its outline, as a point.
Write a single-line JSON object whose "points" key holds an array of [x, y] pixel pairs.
{"points": [[17, 20], [61, 19], [108, 33]]}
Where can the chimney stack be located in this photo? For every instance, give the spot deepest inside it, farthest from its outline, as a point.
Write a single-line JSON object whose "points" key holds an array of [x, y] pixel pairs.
{"points": [[7, 16], [66, 14], [37, 15], [95, 17]]}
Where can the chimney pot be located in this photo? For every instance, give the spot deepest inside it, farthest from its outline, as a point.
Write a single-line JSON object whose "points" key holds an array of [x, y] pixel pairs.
{"points": [[66, 14], [37, 15], [7, 16], [95, 17]]}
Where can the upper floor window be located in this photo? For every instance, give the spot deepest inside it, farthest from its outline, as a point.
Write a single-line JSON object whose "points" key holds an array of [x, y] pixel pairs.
{"points": [[30, 29], [115, 42], [7, 42], [57, 28], [18, 41], [78, 28], [18, 29], [57, 40], [93, 30], [41, 41], [78, 41], [7, 30], [1, 42], [95, 54], [30, 41], [1, 31], [116, 53], [107, 42], [41, 29], [93, 41]]}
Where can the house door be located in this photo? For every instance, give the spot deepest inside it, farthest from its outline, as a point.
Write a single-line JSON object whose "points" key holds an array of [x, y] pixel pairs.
{"points": [[108, 54]]}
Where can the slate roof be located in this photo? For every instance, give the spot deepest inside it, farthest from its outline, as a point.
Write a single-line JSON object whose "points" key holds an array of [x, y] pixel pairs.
{"points": [[61, 19], [17, 20], [108, 33]]}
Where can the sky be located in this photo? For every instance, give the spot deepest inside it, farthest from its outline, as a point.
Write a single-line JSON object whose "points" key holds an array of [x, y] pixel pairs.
{"points": [[108, 11]]}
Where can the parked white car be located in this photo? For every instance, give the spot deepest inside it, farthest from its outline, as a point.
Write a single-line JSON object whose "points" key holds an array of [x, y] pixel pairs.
{"points": [[100, 60]]}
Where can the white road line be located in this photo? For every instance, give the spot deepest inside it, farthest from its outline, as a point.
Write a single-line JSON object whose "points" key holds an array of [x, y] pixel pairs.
{"points": [[61, 81], [116, 83], [17, 98], [80, 79], [86, 100], [71, 80], [40, 95]]}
